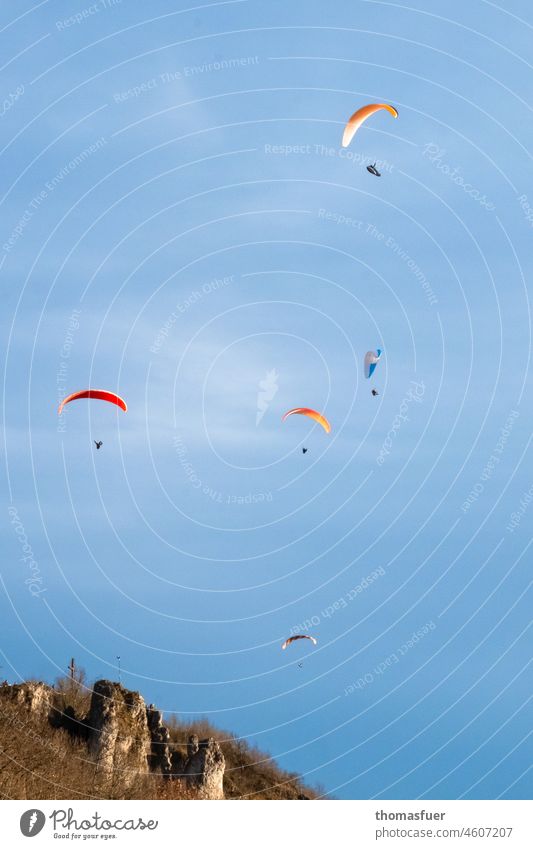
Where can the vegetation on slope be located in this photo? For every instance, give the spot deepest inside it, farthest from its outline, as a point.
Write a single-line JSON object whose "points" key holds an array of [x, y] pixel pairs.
{"points": [[39, 761]]}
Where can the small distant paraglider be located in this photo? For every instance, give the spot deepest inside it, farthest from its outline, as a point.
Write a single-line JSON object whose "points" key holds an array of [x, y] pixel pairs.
{"points": [[373, 170], [371, 361], [98, 445], [290, 640], [360, 116], [99, 394], [304, 450], [375, 392], [312, 414]]}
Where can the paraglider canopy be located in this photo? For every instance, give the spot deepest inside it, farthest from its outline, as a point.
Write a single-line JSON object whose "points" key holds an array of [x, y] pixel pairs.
{"points": [[312, 414], [371, 360], [99, 394], [290, 640], [373, 170], [360, 116]]}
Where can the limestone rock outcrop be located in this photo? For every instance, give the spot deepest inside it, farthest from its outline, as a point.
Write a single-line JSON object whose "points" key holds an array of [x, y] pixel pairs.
{"points": [[118, 734], [34, 696], [159, 757], [204, 767], [124, 737]]}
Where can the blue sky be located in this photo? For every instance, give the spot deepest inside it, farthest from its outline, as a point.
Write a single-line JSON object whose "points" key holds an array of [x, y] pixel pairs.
{"points": [[179, 221]]}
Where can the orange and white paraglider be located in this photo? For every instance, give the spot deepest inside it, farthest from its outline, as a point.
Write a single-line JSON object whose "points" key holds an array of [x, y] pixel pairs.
{"points": [[290, 640], [312, 414], [99, 394], [360, 116]]}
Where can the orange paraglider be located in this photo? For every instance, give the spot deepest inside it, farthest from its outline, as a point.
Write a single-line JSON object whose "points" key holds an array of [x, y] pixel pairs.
{"points": [[360, 116], [312, 414]]}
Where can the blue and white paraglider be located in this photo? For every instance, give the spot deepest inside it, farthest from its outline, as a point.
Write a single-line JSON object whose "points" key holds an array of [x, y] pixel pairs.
{"points": [[371, 360]]}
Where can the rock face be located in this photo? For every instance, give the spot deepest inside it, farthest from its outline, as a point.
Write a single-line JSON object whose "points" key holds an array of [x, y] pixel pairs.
{"points": [[159, 757], [118, 735], [124, 737], [204, 767], [34, 696]]}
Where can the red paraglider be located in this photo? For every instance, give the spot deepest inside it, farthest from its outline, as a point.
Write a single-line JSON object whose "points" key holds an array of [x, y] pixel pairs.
{"points": [[99, 394]]}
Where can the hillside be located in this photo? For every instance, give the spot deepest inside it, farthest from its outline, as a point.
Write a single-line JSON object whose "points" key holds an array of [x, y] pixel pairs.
{"points": [[73, 741]]}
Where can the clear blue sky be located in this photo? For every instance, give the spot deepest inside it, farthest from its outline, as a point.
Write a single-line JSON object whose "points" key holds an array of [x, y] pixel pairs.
{"points": [[148, 151]]}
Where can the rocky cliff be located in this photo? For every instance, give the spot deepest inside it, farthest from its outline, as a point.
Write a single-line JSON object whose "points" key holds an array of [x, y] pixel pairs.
{"points": [[125, 739]]}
